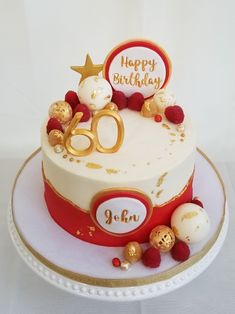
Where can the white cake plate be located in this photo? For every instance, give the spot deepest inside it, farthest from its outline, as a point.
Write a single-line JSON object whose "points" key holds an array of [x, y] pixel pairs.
{"points": [[86, 269]]}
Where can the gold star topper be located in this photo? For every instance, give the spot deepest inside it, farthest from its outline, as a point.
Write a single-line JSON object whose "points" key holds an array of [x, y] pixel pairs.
{"points": [[88, 69]]}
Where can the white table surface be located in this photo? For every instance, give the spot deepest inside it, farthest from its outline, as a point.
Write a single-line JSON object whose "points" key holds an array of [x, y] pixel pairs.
{"points": [[22, 291]]}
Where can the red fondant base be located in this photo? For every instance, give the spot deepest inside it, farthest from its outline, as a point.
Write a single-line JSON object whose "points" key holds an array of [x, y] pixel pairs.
{"points": [[80, 224]]}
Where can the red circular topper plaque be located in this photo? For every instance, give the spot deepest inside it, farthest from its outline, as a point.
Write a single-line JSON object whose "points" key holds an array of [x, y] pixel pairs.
{"points": [[137, 66]]}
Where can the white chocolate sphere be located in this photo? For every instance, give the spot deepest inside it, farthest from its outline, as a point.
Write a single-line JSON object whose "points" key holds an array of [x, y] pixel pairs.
{"points": [[162, 100], [190, 223], [95, 92]]}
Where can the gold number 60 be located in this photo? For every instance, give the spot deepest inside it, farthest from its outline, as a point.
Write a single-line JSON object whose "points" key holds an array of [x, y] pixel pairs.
{"points": [[92, 134]]}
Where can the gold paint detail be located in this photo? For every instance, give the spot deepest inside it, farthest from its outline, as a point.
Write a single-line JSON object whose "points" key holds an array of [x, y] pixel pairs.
{"points": [[158, 194], [71, 159], [112, 171], [61, 196], [126, 282], [91, 228], [65, 156], [161, 179], [181, 192], [166, 126], [93, 94], [92, 165], [189, 215], [88, 69], [175, 230], [173, 134]]}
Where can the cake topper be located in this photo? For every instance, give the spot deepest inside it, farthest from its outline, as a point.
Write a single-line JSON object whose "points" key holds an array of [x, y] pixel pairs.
{"points": [[137, 66], [88, 69]]}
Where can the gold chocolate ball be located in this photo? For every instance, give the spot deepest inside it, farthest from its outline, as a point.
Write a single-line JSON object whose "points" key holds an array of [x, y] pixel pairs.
{"points": [[162, 238], [61, 110], [149, 109], [55, 137], [132, 252], [111, 106]]}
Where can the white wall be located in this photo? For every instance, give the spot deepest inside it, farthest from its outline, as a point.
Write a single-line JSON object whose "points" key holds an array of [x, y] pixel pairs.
{"points": [[41, 39]]}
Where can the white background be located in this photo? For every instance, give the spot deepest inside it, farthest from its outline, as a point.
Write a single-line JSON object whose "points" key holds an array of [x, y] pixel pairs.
{"points": [[39, 40]]}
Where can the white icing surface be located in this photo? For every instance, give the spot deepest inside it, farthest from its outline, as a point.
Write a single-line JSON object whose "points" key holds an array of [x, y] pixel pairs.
{"points": [[149, 150]]}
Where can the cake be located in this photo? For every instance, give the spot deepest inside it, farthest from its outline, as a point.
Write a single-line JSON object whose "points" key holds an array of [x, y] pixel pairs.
{"points": [[118, 153]]}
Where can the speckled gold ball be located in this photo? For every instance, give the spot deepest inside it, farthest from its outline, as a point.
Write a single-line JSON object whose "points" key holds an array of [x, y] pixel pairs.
{"points": [[162, 238], [132, 252], [149, 109], [55, 137], [61, 110], [111, 106]]}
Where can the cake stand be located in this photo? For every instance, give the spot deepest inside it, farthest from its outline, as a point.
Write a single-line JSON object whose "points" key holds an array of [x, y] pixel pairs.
{"points": [[85, 269]]}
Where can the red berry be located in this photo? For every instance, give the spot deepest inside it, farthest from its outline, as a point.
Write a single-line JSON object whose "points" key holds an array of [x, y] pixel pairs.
{"points": [[85, 110], [135, 101], [72, 98], [197, 202], [158, 118], [54, 124], [151, 257], [116, 262], [119, 99], [180, 251], [174, 114]]}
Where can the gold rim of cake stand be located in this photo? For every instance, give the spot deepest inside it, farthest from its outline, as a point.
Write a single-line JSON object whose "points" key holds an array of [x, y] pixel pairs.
{"points": [[110, 282]]}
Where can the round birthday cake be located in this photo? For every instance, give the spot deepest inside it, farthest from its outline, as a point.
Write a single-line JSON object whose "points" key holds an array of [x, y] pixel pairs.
{"points": [[119, 156]]}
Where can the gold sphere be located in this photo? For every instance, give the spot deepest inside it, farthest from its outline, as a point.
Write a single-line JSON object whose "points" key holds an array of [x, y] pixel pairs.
{"points": [[162, 238], [111, 106], [132, 252], [61, 110], [149, 109], [55, 137]]}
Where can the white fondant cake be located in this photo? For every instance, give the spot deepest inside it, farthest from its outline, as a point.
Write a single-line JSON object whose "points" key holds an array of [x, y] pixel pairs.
{"points": [[150, 150], [118, 154]]}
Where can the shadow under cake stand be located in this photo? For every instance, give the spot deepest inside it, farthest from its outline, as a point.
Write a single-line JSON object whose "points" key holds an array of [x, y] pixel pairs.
{"points": [[85, 269]]}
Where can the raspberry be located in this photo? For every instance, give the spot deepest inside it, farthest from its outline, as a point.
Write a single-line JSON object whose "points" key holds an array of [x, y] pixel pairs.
{"points": [[119, 99], [54, 124], [174, 114], [151, 257], [72, 98], [135, 101], [180, 251], [85, 110], [197, 202]]}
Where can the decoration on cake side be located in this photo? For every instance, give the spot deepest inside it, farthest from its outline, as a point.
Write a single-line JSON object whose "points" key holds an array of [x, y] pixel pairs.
{"points": [[189, 224]]}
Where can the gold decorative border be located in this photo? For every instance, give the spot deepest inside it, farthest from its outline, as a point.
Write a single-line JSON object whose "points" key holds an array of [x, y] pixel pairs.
{"points": [[105, 282]]}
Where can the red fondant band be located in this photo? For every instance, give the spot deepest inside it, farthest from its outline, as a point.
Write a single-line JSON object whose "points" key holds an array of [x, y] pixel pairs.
{"points": [[80, 224]]}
